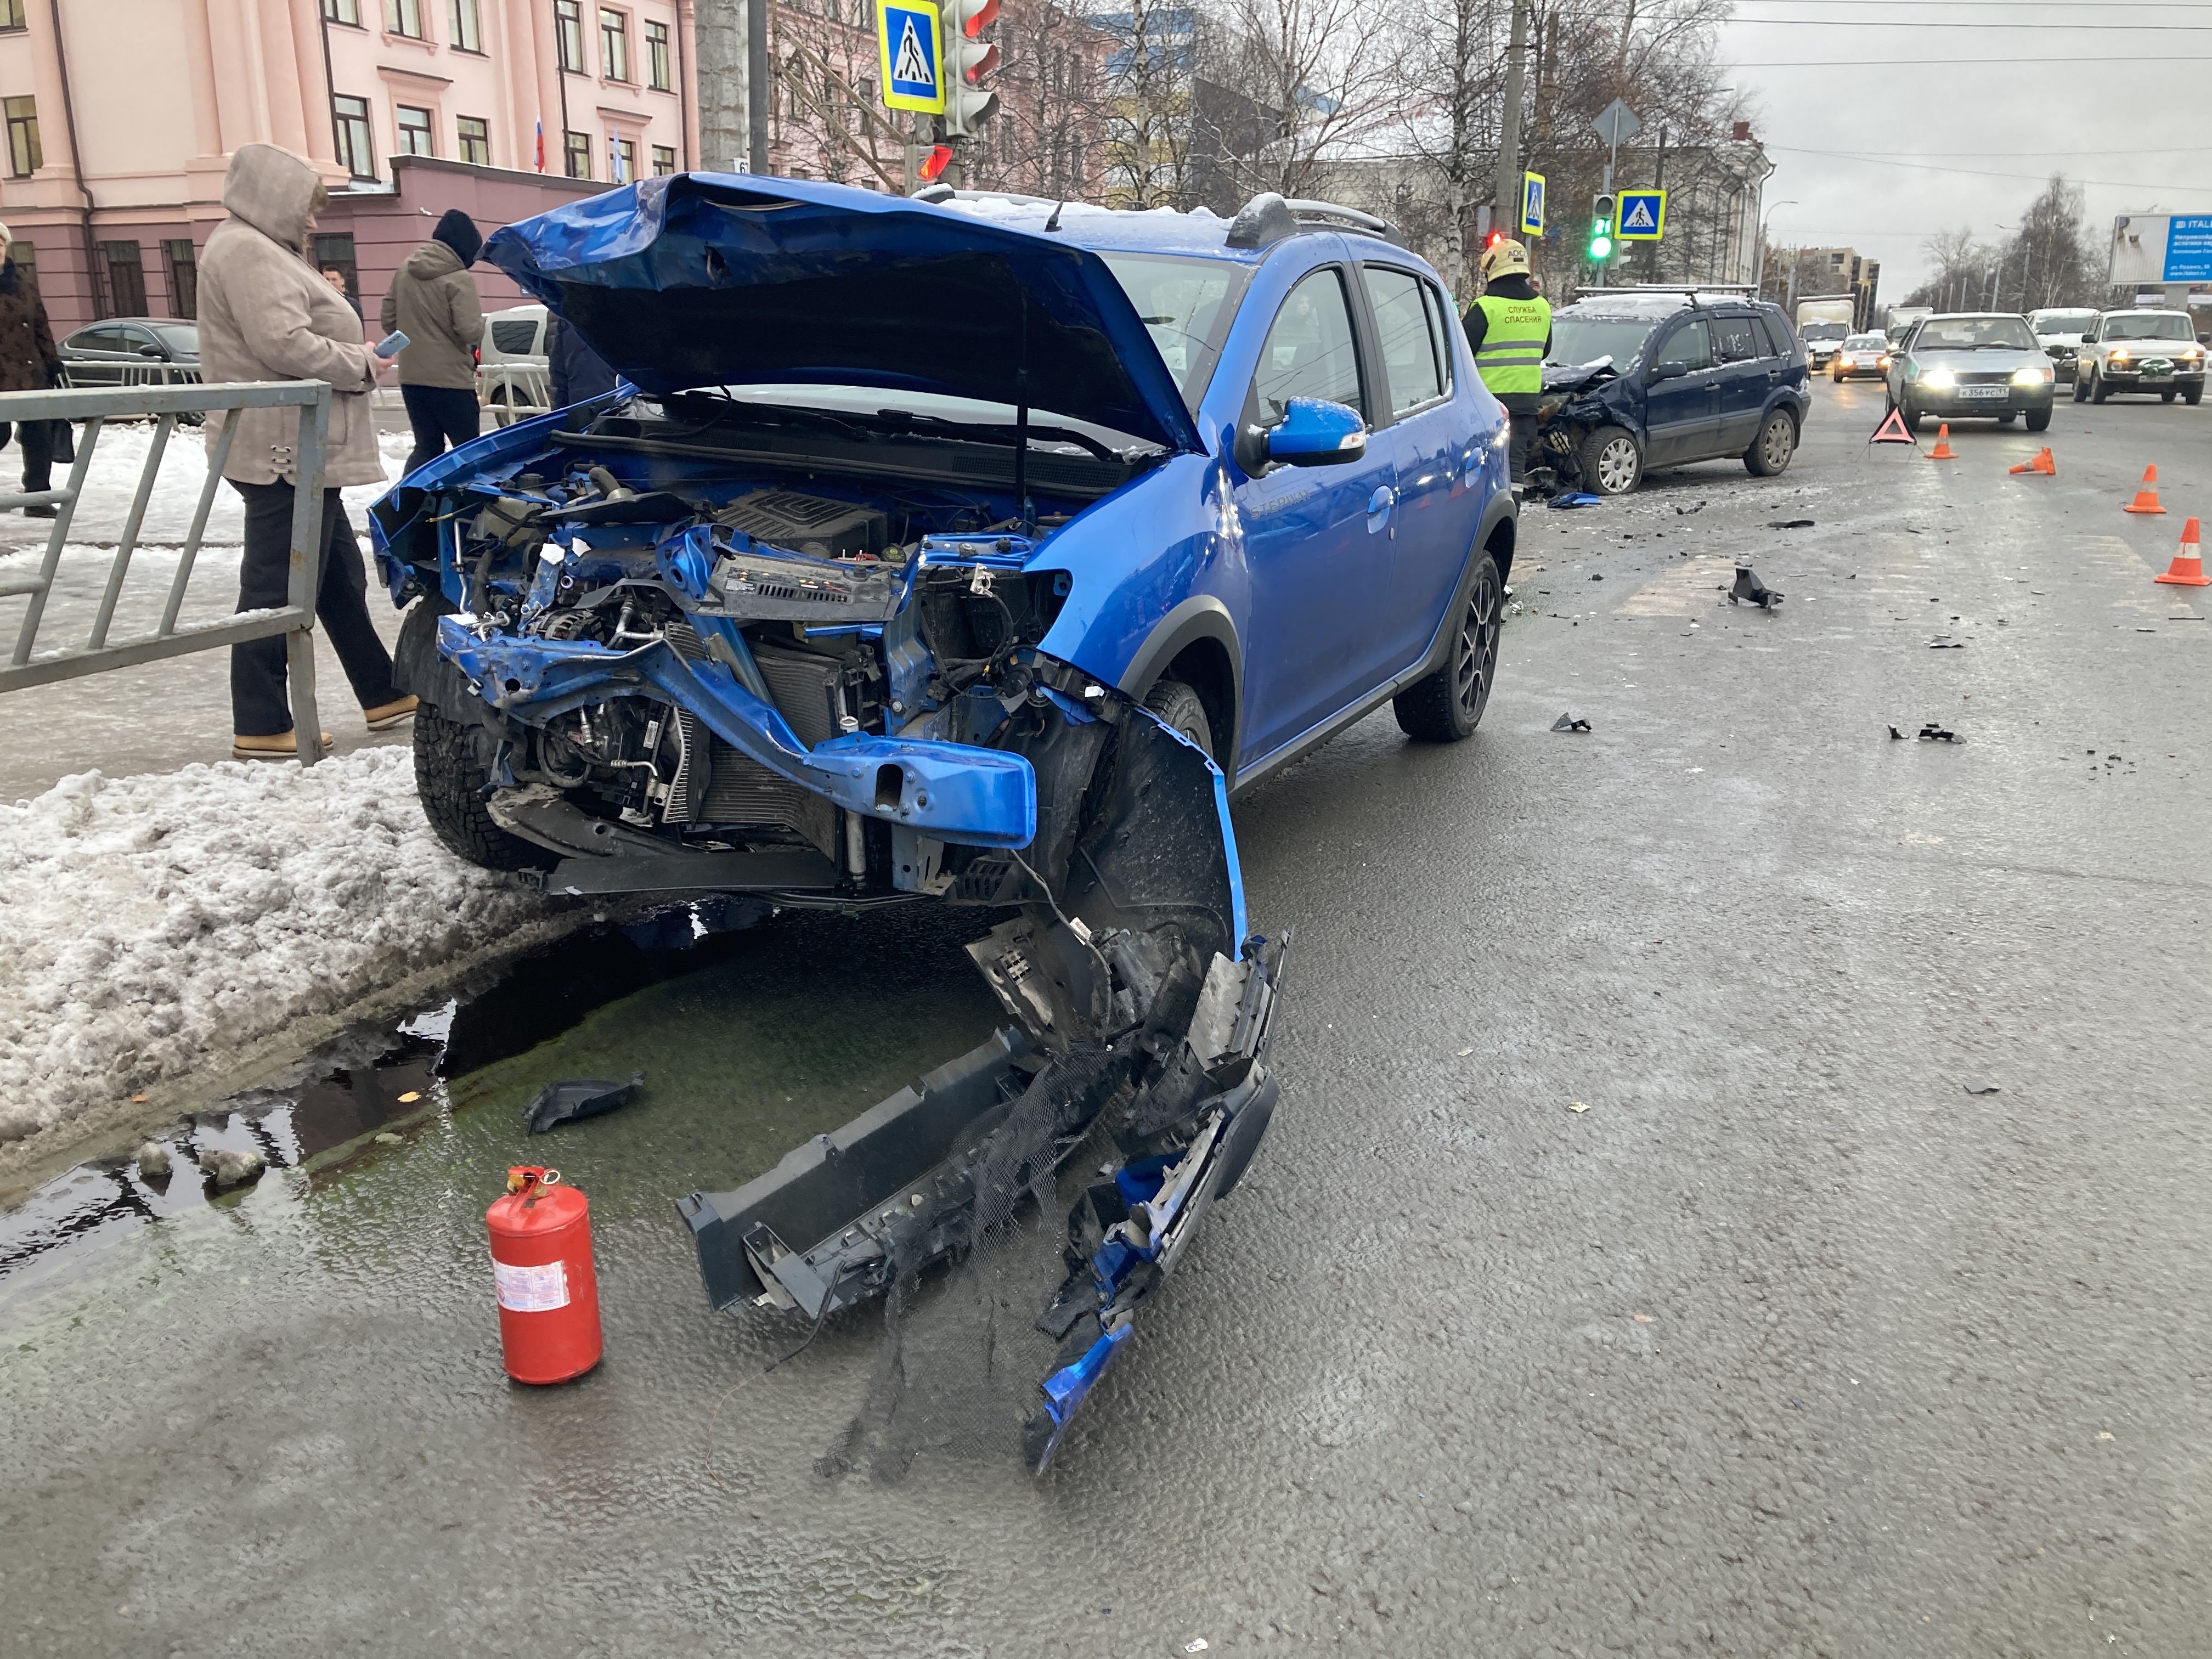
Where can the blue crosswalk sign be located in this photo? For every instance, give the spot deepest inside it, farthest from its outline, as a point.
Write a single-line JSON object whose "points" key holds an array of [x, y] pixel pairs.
{"points": [[1532, 204], [1642, 216], [908, 41]]}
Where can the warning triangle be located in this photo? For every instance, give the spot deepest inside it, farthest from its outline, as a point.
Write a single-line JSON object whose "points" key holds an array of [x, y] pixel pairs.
{"points": [[1640, 216], [912, 65], [1892, 431]]}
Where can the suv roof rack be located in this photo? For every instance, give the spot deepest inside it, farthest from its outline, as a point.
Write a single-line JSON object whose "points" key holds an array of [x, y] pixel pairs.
{"points": [[1268, 218], [1745, 292]]}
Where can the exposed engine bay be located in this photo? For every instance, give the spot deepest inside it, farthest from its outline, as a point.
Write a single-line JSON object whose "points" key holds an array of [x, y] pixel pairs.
{"points": [[684, 647], [1566, 415]]}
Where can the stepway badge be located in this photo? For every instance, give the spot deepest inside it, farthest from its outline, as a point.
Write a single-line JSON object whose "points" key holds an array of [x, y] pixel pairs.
{"points": [[1642, 216], [907, 40]]}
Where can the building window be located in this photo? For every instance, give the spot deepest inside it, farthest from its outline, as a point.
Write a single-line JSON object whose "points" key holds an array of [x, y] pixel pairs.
{"points": [[351, 117], [24, 155], [568, 33], [614, 44], [579, 154], [476, 140], [622, 160], [415, 134], [343, 11], [11, 14], [334, 251], [467, 32], [184, 278], [26, 257], [656, 57], [404, 17], [125, 271], [663, 161]]}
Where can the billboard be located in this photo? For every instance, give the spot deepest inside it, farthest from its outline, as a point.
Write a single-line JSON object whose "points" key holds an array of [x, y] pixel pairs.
{"points": [[2151, 248]]}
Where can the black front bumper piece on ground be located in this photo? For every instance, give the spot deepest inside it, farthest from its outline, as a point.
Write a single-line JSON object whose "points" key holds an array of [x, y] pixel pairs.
{"points": [[1142, 1011]]}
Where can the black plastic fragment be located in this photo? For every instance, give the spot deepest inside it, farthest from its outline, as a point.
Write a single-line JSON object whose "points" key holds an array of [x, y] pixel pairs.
{"points": [[1932, 732], [1983, 1089], [1789, 524], [1896, 735], [1569, 723], [1748, 586], [576, 1099]]}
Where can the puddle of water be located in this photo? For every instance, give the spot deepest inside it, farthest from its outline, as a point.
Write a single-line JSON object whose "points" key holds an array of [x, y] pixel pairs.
{"points": [[753, 1037]]}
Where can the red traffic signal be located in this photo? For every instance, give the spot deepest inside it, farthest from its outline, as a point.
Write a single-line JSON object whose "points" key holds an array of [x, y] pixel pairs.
{"points": [[973, 22], [935, 162]]}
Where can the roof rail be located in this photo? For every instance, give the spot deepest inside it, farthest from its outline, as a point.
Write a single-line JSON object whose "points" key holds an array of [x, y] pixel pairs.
{"points": [[1268, 218]]}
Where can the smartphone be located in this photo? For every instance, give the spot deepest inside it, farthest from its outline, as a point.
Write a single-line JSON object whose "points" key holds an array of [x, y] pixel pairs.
{"points": [[391, 344]]}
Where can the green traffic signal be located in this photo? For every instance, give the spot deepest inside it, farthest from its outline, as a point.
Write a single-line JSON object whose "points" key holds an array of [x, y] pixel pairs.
{"points": [[1601, 242]]}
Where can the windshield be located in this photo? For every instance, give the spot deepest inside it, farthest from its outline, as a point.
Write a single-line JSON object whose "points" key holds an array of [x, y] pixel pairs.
{"points": [[1866, 343], [1186, 306], [1973, 333], [182, 338], [1585, 339], [2147, 325], [1824, 331], [2061, 322]]}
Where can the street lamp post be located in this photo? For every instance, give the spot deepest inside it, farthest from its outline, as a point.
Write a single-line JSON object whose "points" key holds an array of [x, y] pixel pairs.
{"points": [[1759, 275]]}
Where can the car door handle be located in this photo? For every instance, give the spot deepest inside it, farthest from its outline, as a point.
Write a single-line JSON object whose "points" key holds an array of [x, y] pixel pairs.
{"points": [[1379, 505], [1712, 386]]}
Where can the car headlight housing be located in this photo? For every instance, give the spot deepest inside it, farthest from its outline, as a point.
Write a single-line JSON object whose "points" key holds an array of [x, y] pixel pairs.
{"points": [[2119, 354], [1939, 380], [1884, 363], [2031, 376], [2188, 353]]}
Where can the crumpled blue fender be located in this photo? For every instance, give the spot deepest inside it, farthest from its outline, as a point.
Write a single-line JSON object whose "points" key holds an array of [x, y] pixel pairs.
{"points": [[954, 792]]}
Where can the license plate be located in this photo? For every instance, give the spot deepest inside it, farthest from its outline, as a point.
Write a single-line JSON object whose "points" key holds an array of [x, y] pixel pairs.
{"points": [[1985, 391]]}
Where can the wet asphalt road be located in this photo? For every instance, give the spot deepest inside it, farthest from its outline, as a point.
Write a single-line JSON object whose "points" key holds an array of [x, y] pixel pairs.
{"points": [[1788, 1343]]}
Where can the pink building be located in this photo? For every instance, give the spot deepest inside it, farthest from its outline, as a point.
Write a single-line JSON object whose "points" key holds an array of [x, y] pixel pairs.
{"points": [[120, 124]]}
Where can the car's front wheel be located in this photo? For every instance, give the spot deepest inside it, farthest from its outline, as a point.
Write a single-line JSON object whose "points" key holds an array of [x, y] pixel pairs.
{"points": [[1776, 442], [2038, 420], [2098, 390], [1181, 710], [450, 771], [1611, 464], [1447, 706], [2081, 387], [2194, 396]]}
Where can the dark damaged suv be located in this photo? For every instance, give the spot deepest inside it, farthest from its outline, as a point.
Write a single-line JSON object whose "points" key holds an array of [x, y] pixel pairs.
{"points": [[971, 549], [1639, 379]]}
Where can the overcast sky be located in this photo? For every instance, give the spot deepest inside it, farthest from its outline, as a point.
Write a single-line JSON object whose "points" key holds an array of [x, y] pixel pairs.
{"points": [[2132, 133]]}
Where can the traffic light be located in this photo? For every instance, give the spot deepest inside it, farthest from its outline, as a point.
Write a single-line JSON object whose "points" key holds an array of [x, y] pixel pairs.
{"points": [[934, 163], [1601, 241], [969, 61]]}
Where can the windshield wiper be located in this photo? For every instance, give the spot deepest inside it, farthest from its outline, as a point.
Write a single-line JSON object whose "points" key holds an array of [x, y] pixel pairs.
{"points": [[901, 420]]}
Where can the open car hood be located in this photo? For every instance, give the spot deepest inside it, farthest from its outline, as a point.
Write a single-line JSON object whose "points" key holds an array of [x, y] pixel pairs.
{"points": [[726, 279]]}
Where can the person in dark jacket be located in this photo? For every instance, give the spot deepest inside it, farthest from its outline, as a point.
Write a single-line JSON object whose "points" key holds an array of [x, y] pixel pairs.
{"points": [[578, 372], [432, 301], [29, 363]]}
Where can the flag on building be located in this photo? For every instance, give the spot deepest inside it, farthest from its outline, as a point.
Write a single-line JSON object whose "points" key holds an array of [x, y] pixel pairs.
{"points": [[541, 146]]}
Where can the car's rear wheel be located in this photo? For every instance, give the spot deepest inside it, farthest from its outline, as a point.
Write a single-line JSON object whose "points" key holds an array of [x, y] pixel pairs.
{"points": [[1776, 442], [1181, 710], [2165, 396], [1447, 706], [1611, 464], [450, 771]]}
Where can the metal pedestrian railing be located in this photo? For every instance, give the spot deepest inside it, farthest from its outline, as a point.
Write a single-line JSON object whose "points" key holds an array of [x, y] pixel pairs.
{"points": [[167, 405], [514, 391]]}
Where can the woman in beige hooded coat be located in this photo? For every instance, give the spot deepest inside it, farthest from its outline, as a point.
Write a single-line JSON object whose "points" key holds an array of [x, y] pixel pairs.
{"points": [[266, 314]]}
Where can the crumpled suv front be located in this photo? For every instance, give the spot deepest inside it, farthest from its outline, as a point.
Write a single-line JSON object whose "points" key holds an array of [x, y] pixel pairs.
{"points": [[923, 554]]}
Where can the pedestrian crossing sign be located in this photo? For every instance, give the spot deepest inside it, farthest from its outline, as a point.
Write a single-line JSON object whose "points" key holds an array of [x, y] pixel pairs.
{"points": [[909, 40], [1642, 216], [1532, 204]]}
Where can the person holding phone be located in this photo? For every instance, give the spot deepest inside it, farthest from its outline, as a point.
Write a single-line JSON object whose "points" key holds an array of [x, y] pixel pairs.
{"points": [[432, 301], [266, 314]]}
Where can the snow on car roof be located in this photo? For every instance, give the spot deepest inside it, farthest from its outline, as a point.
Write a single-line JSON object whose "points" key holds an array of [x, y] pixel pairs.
{"points": [[1154, 230]]}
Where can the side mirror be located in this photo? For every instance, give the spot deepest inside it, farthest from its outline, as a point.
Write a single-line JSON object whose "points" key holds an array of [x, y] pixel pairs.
{"points": [[1668, 371], [1315, 433], [149, 351]]}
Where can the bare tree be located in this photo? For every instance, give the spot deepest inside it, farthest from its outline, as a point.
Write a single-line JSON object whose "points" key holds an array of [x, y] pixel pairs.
{"points": [[1152, 92], [1451, 62], [1050, 133], [1306, 80]]}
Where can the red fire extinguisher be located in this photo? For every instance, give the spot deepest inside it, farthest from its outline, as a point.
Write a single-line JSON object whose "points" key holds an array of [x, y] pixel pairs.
{"points": [[541, 1265]]}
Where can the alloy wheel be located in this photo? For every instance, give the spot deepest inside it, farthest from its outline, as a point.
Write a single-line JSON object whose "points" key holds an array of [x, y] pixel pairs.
{"points": [[1616, 466], [1475, 655]]}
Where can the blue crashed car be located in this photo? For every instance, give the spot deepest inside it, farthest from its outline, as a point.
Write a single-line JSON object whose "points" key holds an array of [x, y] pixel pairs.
{"points": [[973, 549]]}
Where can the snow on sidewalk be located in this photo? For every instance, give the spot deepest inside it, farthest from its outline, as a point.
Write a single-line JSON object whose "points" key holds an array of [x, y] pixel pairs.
{"points": [[151, 926]]}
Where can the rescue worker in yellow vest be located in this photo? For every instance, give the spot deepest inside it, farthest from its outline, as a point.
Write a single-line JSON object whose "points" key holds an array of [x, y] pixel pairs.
{"points": [[1510, 328]]}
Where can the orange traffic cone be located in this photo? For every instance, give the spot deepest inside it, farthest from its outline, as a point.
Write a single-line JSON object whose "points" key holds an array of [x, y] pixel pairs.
{"points": [[2187, 569], [2043, 463], [2146, 499], [1943, 451]]}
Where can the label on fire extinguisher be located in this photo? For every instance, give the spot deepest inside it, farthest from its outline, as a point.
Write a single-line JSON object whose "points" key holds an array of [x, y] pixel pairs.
{"points": [[532, 1290]]}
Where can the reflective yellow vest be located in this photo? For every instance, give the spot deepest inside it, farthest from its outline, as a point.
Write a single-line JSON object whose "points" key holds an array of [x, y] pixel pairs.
{"points": [[1511, 355]]}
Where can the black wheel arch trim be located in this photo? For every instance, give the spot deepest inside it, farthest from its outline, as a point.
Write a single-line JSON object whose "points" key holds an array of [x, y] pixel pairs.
{"points": [[1200, 616]]}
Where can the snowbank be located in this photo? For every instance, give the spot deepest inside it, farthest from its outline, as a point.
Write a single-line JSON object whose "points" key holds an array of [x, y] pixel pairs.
{"points": [[149, 925]]}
